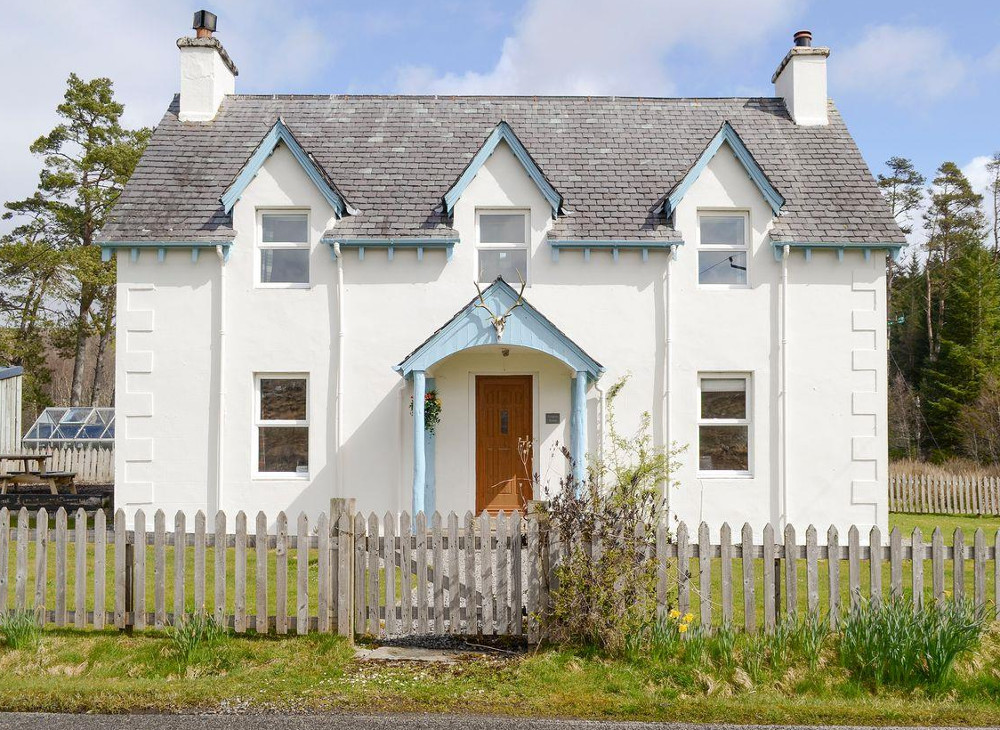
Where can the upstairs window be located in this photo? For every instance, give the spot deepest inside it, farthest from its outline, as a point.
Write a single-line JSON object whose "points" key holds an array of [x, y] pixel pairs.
{"points": [[284, 249], [722, 249], [282, 424], [502, 249], [724, 424]]}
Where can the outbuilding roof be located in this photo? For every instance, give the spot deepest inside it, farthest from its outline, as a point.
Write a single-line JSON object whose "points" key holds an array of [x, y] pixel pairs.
{"points": [[613, 160]]}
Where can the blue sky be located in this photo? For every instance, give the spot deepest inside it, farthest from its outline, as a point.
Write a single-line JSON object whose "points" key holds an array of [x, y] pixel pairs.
{"points": [[914, 78]]}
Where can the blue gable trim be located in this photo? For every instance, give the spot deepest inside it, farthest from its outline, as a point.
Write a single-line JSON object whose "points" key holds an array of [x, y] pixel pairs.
{"points": [[281, 133], [503, 132], [108, 248], [526, 327], [11, 372], [892, 249], [728, 135]]}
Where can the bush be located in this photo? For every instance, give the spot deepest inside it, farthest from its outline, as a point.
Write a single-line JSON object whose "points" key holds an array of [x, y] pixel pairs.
{"points": [[891, 643], [20, 629], [190, 634], [606, 527]]}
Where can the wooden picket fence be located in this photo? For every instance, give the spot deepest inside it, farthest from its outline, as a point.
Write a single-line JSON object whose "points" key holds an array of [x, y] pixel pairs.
{"points": [[494, 575], [952, 494]]}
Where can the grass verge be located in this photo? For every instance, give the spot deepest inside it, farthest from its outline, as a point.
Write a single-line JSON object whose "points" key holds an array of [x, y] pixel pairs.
{"points": [[107, 672]]}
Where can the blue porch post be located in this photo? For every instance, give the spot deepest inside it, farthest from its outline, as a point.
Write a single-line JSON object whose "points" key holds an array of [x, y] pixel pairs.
{"points": [[419, 459], [430, 470], [578, 427]]}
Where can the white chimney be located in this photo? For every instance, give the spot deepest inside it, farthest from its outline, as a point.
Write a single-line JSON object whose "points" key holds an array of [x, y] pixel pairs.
{"points": [[207, 71], [801, 81]]}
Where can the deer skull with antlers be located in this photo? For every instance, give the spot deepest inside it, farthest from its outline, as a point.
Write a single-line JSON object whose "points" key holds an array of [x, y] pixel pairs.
{"points": [[499, 323]]}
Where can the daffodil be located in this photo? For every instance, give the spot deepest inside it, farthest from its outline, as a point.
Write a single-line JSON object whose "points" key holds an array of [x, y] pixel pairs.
{"points": [[688, 618], [682, 628], [674, 613]]}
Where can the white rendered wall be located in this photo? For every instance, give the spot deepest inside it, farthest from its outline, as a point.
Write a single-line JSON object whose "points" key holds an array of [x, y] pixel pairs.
{"points": [[205, 80], [802, 84], [613, 310]]}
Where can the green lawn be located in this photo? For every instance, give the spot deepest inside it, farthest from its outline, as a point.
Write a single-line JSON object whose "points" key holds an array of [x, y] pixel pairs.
{"points": [[947, 523], [108, 672]]}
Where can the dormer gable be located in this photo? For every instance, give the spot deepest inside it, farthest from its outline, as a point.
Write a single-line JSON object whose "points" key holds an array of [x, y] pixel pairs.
{"points": [[504, 133], [728, 136], [281, 134]]}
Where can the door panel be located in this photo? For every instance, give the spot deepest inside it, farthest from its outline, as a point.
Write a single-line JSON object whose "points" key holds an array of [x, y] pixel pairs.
{"points": [[503, 419]]}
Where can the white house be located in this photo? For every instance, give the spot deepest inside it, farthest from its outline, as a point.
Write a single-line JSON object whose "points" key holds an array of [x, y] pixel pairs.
{"points": [[293, 269]]}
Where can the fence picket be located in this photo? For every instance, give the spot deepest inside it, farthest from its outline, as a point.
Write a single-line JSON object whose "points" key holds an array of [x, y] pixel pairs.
{"points": [[486, 572], [119, 569], [159, 569], [371, 545], [302, 574], [437, 565], [199, 562], [421, 547], [812, 571], [180, 567], [917, 568], [768, 565], [41, 562], [937, 565], [705, 574], [469, 594], [260, 570], [979, 568], [516, 573], [4, 556], [958, 566], [345, 574], [79, 556], [895, 564], [791, 572], [139, 576], [389, 535], [726, 567], [281, 574], [501, 564], [62, 558], [100, 550], [219, 554], [854, 566], [240, 575], [406, 581], [534, 569], [454, 599], [683, 569], [875, 564], [833, 575], [749, 604], [662, 590]]}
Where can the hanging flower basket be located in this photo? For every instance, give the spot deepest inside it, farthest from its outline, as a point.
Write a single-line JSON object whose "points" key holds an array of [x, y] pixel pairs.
{"points": [[432, 410]]}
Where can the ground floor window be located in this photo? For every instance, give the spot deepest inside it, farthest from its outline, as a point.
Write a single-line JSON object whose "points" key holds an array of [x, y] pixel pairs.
{"points": [[724, 426], [282, 425]]}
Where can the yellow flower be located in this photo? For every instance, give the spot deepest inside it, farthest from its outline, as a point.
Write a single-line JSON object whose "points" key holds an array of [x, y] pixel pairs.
{"points": [[682, 628], [674, 613], [688, 618]]}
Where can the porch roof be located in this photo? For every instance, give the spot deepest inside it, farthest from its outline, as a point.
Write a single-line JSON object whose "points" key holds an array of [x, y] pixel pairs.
{"points": [[525, 327]]}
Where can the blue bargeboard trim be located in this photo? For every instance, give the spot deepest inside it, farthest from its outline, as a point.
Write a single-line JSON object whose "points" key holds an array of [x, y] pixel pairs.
{"points": [[728, 135], [613, 245], [526, 327], [892, 249], [360, 244], [108, 248], [281, 133], [503, 132], [11, 372]]}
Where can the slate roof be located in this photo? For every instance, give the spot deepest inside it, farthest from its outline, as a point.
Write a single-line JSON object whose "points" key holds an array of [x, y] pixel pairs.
{"points": [[613, 159]]}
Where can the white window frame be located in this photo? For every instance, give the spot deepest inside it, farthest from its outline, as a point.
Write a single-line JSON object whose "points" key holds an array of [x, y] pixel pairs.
{"points": [[747, 421], [258, 422], [259, 246], [526, 212], [745, 248]]}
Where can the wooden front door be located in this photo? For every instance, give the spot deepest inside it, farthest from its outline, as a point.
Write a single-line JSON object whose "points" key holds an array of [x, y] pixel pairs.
{"points": [[503, 423]]}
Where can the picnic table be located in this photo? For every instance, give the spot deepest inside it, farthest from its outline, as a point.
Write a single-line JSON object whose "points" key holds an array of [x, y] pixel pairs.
{"points": [[26, 476]]}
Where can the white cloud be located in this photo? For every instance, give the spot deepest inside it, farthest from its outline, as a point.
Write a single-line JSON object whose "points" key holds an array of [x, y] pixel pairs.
{"points": [[593, 47], [908, 64]]}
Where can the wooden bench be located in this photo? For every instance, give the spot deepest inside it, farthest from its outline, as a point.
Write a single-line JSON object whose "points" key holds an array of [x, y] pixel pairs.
{"points": [[54, 480]]}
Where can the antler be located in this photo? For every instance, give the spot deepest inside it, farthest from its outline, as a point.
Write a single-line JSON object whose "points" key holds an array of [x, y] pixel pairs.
{"points": [[520, 298], [482, 302]]}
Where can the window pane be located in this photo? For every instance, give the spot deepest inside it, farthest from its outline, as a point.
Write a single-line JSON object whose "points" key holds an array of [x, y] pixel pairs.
{"points": [[723, 230], [723, 398], [501, 228], [283, 449], [511, 264], [282, 399], [284, 265], [723, 448], [722, 267], [285, 228]]}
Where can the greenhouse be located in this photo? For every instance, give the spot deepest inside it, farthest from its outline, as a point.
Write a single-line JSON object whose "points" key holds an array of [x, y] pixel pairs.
{"points": [[88, 426]]}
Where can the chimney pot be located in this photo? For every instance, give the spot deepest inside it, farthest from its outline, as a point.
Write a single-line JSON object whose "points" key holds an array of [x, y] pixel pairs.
{"points": [[204, 23], [803, 38]]}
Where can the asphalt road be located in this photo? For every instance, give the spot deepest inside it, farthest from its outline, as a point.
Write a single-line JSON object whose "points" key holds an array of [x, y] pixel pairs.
{"points": [[41, 721]]}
